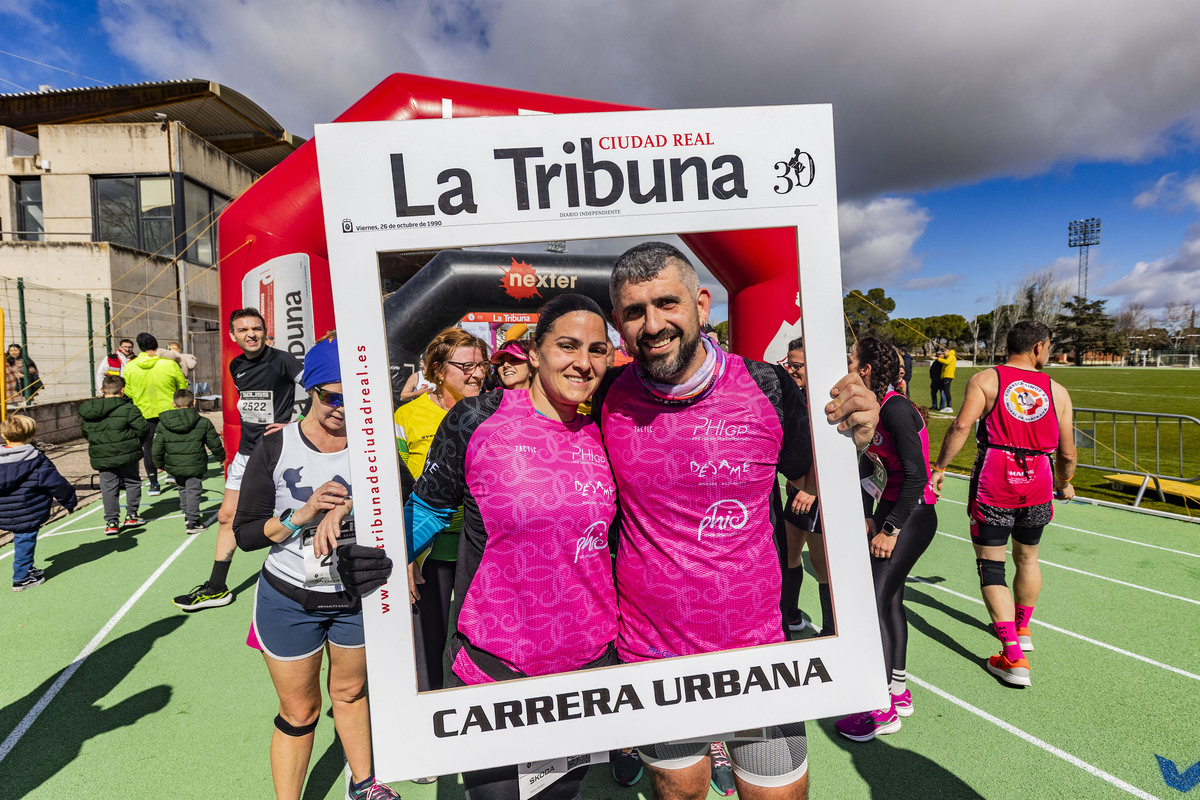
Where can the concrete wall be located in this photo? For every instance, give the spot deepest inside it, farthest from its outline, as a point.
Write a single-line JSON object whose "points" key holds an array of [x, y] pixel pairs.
{"points": [[56, 422], [206, 164]]}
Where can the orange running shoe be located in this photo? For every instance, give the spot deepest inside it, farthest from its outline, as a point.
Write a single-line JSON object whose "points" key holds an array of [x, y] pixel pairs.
{"points": [[1014, 672], [1025, 639]]}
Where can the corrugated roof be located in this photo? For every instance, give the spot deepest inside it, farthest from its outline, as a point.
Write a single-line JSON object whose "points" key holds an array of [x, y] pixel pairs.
{"points": [[222, 116]]}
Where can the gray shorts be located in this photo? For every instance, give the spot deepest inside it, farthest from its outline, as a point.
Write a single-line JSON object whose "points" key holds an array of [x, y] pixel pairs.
{"points": [[779, 760], [286, 631]]}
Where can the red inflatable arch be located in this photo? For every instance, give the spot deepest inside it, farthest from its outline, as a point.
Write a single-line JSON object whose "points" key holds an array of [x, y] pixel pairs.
{"points": [[279, 217]]}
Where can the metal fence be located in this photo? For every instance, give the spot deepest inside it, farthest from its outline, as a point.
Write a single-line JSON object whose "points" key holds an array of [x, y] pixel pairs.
{"points": [[1156, 447], [64, 337]]}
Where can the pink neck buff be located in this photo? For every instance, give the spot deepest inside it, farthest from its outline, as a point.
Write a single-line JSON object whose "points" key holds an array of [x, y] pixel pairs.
{"points": [[694, 388]]}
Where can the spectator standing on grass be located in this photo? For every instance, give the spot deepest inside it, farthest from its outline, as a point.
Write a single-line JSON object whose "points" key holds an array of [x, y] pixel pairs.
{"points": [[115, 429], [265, 379], [114, 363], [181, 447], [28, 484], [947, 359], [151, 382], [935, 383], [1025, 419]]}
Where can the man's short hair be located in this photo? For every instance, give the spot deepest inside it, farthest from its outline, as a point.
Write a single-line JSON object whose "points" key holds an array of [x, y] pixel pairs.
{"points": [[112, 384], [1024, 335], [644, 262], [146, 341], [184, 398], [796, 344], [18, 428], [248, 311], [124, 341]]}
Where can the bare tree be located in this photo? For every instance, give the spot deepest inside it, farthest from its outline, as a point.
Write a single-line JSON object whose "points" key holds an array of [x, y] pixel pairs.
{"points": [[1177, 319], [1132, 318]]}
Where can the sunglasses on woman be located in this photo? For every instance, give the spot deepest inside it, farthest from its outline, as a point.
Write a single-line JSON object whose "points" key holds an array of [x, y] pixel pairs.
{"points": [[331, 399]]}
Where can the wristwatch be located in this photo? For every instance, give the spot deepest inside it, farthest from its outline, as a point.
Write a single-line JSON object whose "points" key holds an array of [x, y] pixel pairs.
{"points": [[889, 529], [285, 519]]}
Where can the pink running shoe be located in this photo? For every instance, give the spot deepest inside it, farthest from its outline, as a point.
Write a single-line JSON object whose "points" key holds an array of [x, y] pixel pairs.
{"points": [[903, 703], [866, 726]]}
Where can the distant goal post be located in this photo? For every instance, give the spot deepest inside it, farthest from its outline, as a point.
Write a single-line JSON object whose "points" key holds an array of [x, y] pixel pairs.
{"points": [[1187, 360]]}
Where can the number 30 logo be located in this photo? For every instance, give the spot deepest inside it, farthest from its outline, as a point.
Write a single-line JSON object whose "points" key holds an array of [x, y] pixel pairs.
{"points": [[797, 171]]}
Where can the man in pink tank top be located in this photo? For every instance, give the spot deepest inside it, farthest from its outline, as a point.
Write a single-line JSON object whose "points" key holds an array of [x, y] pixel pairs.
{"points": [[1024, 420], [695, 437]]}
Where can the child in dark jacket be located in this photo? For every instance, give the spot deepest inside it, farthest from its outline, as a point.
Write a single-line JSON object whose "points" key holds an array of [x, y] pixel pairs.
{"points": [[115, 430], [28, 482], [179, 448]]}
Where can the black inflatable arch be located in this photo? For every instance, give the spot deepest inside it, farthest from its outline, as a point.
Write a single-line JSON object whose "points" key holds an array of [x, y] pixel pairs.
{"points": [[456, 282]]}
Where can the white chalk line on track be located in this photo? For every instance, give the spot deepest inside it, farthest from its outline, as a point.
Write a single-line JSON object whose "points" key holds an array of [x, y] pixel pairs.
{"points": [[1095, 533], [1139, 587], [60, 532], [11, 740], [1035, 741], [1064, 631]]}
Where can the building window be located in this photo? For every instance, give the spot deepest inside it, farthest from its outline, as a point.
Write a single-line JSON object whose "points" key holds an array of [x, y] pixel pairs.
{"points": [[200, 208], [135, 211], [30, 222]]}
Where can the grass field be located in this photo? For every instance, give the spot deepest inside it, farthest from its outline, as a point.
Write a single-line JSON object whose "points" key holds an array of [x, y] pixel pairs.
{"points": [[110, 692], [1161, 391]]}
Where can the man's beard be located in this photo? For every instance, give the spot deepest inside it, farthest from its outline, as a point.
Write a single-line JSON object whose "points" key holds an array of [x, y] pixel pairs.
{"points": [[666, 368]]}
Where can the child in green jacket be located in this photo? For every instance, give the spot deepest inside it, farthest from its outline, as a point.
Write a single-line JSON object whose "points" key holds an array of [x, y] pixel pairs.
{"points": [[115, 430], [179, 449]]}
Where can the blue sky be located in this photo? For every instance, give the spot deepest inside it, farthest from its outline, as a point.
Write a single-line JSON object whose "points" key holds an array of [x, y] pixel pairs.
{"points": [[968, 135]]}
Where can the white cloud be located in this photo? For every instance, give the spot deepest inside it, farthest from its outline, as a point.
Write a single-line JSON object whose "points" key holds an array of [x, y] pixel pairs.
{"points": [[926, 94], [877, 240], [1153, 283], [1172, 192]]}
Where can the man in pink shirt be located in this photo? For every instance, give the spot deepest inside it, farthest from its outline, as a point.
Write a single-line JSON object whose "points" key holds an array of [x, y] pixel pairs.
{"points": [[695, 437]]}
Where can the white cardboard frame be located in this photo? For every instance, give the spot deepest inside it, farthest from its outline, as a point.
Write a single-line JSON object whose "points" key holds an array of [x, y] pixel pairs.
{"points": [[412, 731]]}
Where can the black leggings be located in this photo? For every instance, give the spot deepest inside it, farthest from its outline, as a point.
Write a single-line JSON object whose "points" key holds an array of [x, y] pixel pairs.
{"points": [[431, 616], [889, 575]]}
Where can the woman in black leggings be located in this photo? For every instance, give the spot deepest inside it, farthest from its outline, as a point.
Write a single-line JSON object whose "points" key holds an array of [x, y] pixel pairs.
{"points": [[900, 519]]}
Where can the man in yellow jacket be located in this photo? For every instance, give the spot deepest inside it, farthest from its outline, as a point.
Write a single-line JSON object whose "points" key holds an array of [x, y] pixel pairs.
{"points": [[947, 359], [151, 383]]}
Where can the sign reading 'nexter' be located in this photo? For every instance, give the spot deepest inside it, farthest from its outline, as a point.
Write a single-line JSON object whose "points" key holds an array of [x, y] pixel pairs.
{"points": [[655, 180]]}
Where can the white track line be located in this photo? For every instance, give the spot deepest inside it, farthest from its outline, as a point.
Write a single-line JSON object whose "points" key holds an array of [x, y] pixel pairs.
{"points": [[70, 520], [1080, 636], [1036, 742], [59, 532], [11, 741], [1094, 575], [1094, 533]]}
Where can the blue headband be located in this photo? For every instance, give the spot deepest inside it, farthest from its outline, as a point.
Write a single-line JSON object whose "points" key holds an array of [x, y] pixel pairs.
{"points": [[321, 365]]}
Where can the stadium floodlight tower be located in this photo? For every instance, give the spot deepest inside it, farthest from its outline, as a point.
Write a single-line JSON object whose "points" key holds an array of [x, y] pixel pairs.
{"points": [[1083, 233]]}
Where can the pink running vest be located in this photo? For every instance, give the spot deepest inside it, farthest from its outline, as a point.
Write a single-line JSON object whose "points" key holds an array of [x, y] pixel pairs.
{"points": [[1017, 439]]}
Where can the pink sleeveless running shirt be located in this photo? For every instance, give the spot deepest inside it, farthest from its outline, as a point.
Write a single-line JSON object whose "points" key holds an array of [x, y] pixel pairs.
{"points": [[1016, 441], [697, 567], [883, 447]]}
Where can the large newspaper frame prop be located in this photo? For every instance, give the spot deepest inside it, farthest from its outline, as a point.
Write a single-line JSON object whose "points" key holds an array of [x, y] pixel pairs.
{"points": [[432, 184]]}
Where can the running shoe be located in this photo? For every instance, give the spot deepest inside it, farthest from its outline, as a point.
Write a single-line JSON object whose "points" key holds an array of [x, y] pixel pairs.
{"points": [[1025, 639], [203, 596], [947, 410], [37, 573], [626, 766], [155, 490], [373, 791], [111, 529], [722, 770], [194, 529], [425, 781], [866, 726], [1014, 672], [903, 703], [797, 623], [29, 581], [133, 520], [169, 480]]}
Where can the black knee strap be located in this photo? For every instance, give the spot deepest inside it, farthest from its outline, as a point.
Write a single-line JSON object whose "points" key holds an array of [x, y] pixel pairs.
{"points": [[288, 729], [991, 573]]}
